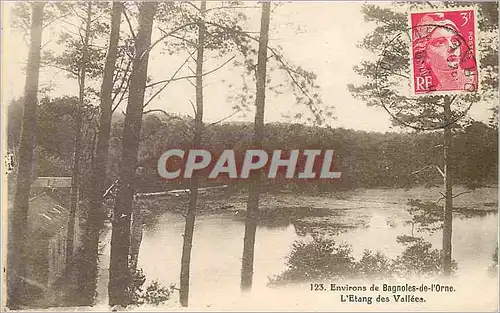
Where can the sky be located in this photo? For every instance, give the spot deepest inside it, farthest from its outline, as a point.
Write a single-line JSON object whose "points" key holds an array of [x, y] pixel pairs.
{"points": [[319, 36]]}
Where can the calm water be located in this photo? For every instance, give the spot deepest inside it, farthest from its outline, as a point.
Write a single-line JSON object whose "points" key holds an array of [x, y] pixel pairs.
{"points": [[218, 241]]}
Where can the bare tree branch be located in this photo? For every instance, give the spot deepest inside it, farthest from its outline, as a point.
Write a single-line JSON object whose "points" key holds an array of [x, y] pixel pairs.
{"points": [[62, 68], [192, 5], [125, 79], [454, 196], [82, 37], [171, 117], [116, 74], [173, 31], [462, 193], [233, 7], [123, 92], [192, 76], [302, 90], [122, 97], [54, 20], [70, 23], [192, 57], [128, 21], [430, 4], [426, 167], [420, 170], [279, 58], [168, 82], [193, 106], [99, 16], [69, 30], [45, 44], [76, 13], [192, 84], [223, 119], [183, 39], [440, 171]]}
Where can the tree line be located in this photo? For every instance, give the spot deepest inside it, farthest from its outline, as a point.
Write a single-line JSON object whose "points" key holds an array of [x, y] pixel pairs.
{"points": [[366, 159]]}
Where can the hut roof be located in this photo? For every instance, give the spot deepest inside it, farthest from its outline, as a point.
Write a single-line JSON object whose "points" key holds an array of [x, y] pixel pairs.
{"points": [[46, 215]]}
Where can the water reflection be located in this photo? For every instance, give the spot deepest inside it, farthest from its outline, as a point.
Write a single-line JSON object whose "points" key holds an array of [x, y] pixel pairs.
{"points": [[216, 254], [218, 242]]}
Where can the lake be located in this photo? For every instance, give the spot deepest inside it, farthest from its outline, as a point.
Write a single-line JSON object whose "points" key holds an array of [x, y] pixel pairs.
{"points": [[218, 241]]}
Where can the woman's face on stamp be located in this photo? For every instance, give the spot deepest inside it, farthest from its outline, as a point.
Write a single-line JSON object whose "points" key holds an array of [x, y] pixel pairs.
{"points": [[443, 50]]}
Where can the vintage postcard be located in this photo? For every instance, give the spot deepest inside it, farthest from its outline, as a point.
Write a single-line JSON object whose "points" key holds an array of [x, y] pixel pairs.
{"points": [[249, 156]]}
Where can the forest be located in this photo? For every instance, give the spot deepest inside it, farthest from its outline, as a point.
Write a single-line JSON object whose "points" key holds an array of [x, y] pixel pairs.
{"points": [[366, 160], [103, 127]]}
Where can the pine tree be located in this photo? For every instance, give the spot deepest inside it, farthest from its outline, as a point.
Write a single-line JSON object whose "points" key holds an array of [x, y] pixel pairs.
{"points": [[119, 274], [254, 195], [385, 75], [18, 219]]}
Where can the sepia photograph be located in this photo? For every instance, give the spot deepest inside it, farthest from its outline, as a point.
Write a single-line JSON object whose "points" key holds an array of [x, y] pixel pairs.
{"points": [[249, 156]]}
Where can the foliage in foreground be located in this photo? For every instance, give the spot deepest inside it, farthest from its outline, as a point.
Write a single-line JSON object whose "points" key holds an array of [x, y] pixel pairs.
{"points": [[419, 259], [493, 269], [154, 294], [320, 259], [324, 259]]}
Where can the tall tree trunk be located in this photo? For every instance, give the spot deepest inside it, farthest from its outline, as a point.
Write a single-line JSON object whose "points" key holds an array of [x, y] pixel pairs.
{"points": [[120, 239], [448, 185], [77, 154], [75, 188], [18, 219], [88, 279], [254, 194], [194, 183]]}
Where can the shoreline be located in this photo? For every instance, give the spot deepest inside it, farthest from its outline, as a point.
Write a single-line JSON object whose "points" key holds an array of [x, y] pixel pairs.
{"points": [[320, 212]]}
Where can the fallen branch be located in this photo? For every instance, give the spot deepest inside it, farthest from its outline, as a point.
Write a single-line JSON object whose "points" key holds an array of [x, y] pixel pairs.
{"points": [[426, 167], [178, 192], [440, 171], [108, 191]]}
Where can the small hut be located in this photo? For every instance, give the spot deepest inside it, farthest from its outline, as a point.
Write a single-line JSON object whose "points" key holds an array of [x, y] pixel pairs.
{"points": [[47, 233]]}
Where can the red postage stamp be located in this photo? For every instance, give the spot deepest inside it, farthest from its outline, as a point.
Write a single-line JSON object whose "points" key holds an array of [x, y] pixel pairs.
{"points": [[443, 54]]}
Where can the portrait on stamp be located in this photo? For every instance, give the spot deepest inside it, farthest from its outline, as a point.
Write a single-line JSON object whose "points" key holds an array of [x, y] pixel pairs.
{"points": [[444, 52]]}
